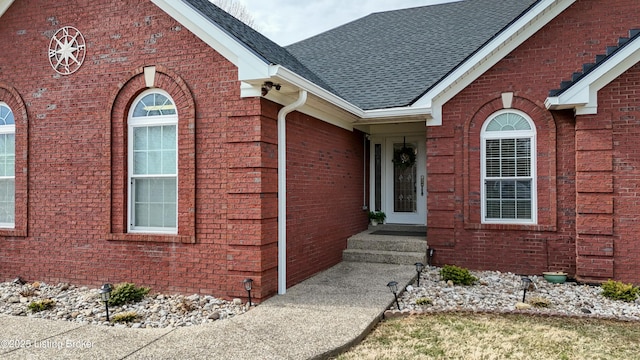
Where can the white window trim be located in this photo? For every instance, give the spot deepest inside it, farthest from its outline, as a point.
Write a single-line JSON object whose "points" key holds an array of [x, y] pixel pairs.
{"points": [[134, 122], [527, 134], [9, 129]]}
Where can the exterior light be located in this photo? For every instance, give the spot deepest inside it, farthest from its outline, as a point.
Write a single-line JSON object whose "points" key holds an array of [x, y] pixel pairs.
{"points": [[393, 286], [105, 294], [248, 284], [419, 267], [430, 253], [526, 282]]}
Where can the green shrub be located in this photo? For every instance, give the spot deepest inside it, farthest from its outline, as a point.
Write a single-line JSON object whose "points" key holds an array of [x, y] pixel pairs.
{"points": [[617, 290], [124, 317], [424, 301], [127, 293], [457, 275], [41, 305]]}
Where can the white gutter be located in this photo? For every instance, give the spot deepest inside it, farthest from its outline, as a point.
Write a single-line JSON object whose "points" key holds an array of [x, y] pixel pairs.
{"points": [[282, 189]]}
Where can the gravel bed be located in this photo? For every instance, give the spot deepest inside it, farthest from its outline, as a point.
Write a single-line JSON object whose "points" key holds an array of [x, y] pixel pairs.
{"points": [[502, 292], [83, 305]]}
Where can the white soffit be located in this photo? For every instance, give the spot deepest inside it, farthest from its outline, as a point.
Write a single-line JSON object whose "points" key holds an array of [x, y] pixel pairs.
{"points": [[583, 94], [490, 54]]}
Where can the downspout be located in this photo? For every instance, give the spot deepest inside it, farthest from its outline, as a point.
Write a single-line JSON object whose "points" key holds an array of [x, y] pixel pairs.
{"points": [[282, 189]]}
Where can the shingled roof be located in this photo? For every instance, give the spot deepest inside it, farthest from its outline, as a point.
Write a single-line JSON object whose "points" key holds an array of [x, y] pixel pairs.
{"points": [[267, 50], [389, 59]]}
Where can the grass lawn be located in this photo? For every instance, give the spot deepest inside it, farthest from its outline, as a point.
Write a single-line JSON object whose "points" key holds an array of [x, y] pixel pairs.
{"points": [[487, 336]]}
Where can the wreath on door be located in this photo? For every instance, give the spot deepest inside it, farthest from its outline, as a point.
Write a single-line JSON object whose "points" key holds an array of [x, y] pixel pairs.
{"points": [[404, 157]]}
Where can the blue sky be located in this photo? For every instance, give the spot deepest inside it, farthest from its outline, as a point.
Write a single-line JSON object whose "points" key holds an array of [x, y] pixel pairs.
{"points": [[289, 21]]}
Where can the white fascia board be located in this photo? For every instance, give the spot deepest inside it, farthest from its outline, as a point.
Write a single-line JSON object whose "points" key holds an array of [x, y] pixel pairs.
{"points": [[4, 5], [249, 64], [490, 54], [361, 116], [583, 95]]}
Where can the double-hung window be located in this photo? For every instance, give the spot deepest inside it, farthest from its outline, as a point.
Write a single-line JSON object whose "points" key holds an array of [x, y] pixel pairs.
{"points": [[7, 167], [153, 164], [508, 169]]}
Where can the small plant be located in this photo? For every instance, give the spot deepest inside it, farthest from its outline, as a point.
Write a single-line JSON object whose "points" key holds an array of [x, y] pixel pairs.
{"points": [[125, 317], [41, 305], [457, 275], [127, 293], [424, 301], [539, 302], [617, 290], [378, 216]]}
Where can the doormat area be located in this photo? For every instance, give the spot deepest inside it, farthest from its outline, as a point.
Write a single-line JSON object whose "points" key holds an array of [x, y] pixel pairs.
{"points": [[399, 233]]}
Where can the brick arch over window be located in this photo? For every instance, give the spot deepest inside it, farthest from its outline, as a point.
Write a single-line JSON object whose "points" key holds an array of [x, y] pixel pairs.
{"points": [[10, 96], [172, 84], [545, 166]]}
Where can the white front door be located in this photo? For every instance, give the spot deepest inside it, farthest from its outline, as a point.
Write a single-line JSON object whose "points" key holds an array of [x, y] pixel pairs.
{"points": [[402, 174]]}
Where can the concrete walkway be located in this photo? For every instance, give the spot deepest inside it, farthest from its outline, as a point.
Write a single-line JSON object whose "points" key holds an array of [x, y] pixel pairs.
{"points": [[317, 318]]}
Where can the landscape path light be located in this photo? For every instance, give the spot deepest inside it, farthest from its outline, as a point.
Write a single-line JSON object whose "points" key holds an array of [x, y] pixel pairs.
{"points": [[393, 286], [419, 267], [248, 284], [526, 282], [105, 295]]}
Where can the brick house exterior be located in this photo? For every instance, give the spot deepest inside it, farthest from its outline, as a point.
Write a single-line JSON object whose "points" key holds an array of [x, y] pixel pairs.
{"points": [[243, 106]]}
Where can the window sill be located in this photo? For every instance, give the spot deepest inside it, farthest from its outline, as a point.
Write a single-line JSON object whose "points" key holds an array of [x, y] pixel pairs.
{"points": [[159, 238], [512, 227], [12, 232]]}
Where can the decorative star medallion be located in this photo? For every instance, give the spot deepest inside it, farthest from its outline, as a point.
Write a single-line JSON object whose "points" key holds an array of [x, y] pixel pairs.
{"points": [[67, 50]]}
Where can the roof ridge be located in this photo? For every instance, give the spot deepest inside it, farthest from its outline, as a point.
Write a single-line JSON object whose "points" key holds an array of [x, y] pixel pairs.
{"points": [[599, 60]]}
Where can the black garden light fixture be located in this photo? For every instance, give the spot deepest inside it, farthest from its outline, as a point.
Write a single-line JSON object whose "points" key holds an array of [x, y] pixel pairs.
{"points": [[419, 267], [248, 284], [105, 294], [430, 253], [393, 286], [526, 282]]}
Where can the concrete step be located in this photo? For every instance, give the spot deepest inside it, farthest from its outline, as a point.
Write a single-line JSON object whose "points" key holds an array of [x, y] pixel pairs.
{"points": [[387, 243], [384, 257]]}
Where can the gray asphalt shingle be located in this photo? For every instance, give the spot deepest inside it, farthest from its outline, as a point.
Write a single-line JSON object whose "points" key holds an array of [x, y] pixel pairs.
{"points": [[386, 59], [389, 59], [267, 50]]}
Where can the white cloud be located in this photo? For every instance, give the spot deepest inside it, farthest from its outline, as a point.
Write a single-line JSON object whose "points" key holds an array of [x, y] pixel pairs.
{"points": [[288, 21]]}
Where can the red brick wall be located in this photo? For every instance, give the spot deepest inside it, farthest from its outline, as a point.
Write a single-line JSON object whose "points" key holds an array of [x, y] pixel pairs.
{"points": [[612, 248], [325, 174], [529, 72], [76, 178], [76, 149]]}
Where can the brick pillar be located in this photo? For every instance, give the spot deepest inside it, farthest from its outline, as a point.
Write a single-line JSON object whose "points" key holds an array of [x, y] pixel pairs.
{"points": [[441, 180], [594, 199], [252, 214]]}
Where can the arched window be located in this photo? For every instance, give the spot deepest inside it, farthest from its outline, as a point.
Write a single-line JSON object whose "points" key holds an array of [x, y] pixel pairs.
{"points": [[508, 157], [7, 167], [153, 164]]}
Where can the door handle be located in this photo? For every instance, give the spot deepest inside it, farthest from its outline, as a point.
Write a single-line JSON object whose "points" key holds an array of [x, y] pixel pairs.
{"points": [[422, 185]]}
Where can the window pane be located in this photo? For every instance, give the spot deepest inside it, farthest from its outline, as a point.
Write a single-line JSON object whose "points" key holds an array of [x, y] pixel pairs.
{"points": [[169, 137], [140, 163], [493, 148], [523, 189], [155, 162], [508, 148], [140, 138], [7, 201], [508, 190], [155, 201], [492, 189], [524, 209], [169, 162], [493, 209], [508, 209]]}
